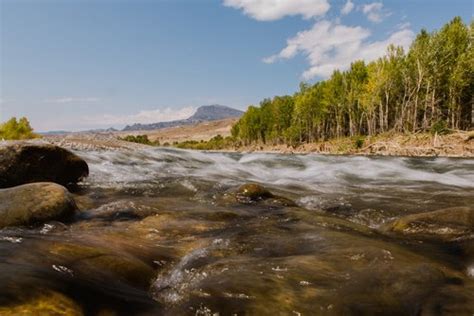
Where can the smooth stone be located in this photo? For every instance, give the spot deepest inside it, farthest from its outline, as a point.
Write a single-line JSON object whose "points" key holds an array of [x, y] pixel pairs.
{"points": [[445, 225], [102, 265], [45, 303], [251, 193], [35, 203], [120, 210], [24, 162]]}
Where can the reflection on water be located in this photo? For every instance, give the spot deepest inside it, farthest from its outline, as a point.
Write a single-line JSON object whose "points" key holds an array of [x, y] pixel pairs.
{"points": [[157, 235]]}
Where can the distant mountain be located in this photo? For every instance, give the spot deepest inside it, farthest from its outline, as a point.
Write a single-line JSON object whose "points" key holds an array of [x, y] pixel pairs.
{"points": [[204, 113], [214, 112]]}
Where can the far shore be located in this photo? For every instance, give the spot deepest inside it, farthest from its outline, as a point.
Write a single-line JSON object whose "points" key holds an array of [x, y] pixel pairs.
{"points": [[457, 144]]}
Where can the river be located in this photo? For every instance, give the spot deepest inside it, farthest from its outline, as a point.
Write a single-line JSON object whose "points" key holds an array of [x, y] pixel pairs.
{"points": [[159, 232]]}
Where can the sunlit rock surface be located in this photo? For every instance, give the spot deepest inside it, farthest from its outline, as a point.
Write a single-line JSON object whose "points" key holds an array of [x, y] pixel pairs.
{"points": [[35, 203]]}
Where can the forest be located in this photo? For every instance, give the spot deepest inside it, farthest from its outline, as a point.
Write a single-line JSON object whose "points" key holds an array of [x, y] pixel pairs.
{"points": [[427, 88]]}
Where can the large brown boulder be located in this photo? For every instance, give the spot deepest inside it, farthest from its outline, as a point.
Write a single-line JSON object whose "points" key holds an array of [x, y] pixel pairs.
{"points": [[34, 203], [23, 162]]}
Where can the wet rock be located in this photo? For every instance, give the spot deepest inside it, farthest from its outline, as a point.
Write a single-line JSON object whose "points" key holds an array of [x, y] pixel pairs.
{"points": [[451, 224], [98, 264], [251, 193], [23, 162], [120, 210], [34, 203], [45, 303]]}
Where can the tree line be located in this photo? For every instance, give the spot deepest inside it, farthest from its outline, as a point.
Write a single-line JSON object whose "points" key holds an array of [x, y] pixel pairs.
{"points": [[428, 87]]}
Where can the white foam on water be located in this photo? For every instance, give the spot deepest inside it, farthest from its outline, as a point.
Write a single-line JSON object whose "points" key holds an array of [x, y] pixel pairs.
{"points": [[307, 171]]}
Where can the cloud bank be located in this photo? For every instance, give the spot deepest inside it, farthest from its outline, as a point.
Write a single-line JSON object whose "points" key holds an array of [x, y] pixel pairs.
{"points": [[328, 44], [375, 12], [347, 8], [270, 10]]}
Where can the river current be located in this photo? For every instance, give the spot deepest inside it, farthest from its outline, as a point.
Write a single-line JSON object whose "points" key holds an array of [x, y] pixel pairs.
{"points": [[159, 233]]}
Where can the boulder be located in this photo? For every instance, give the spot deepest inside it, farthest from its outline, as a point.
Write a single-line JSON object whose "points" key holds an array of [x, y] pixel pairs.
{"points": [[445, 225], [23, 162], [253, 192], [250, 193], [34, 203]]}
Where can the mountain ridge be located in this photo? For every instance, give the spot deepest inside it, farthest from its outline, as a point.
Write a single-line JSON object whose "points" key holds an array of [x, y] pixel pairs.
{"points": [[204, 113]]}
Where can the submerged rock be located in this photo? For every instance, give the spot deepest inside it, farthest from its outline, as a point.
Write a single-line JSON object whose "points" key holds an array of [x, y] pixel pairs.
{"points": [[46, 302], [99, 264], [22, 162], [253, 192], [34, 203], [250, 193], [450, 224]]}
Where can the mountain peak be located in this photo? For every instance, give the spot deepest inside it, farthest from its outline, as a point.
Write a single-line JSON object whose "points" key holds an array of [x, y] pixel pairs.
{"points": [[214, 112], [204, 113]]}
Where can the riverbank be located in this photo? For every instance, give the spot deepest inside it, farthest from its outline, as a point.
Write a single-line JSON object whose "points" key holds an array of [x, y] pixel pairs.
{"points": [[458, 144]]}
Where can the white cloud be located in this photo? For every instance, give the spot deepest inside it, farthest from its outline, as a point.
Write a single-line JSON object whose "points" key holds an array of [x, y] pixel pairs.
{"points": [[375, 11], [72, 100], [347, 8], [269, 10], [329, 46], [143, 117]]}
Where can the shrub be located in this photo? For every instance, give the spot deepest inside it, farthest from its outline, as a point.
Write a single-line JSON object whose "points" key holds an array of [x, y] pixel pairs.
{"points": [[15, 129], [216, 143], [440, 128], [140, 139], [359, 142]]}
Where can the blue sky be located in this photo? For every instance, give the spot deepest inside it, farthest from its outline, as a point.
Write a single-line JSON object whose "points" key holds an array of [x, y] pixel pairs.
{"points": [[81, 64]]}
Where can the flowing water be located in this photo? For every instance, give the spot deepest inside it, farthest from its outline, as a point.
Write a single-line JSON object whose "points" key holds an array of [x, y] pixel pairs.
{"points": [[160, 232]]}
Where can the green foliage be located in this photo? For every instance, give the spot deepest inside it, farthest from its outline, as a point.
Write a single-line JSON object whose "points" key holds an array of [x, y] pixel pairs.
{"points": [[428, 88], [440, 128], [15, 129], [140, 139], [359, 142], [216, 143]]}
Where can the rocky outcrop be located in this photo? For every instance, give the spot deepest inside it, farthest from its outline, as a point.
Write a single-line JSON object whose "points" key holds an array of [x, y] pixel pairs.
{"points": [[24, 162], [34, 203], [450, 224]]}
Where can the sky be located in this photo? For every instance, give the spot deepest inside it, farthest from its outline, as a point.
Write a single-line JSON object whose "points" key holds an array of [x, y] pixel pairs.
{"points": [[83, 64]]}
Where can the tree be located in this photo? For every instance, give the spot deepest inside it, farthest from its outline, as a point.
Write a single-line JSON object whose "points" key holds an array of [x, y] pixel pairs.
{"points": [[15, 129], [430, 85]]}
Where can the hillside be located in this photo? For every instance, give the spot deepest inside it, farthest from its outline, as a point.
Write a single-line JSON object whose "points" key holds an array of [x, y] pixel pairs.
{"points": [[194, 131], [205, 113]]}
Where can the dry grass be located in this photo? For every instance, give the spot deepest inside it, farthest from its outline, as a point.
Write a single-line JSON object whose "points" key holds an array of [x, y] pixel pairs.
{"points": [[458, 144], [198, 132]]}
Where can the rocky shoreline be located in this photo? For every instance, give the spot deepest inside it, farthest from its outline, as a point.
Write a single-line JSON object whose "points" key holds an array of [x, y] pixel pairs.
{"points": [[458, 144]]}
